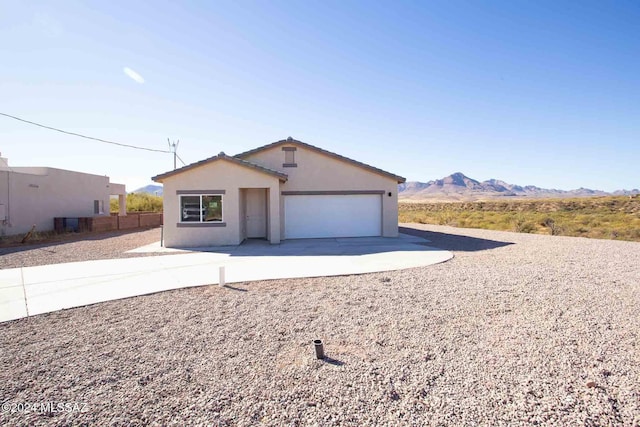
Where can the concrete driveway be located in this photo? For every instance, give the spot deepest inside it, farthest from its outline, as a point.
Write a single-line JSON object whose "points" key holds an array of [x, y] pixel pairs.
{"points": [[35, 290]]}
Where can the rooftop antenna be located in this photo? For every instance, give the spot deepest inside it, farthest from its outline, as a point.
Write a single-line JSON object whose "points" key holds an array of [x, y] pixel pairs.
{"points": [[174, 149]]}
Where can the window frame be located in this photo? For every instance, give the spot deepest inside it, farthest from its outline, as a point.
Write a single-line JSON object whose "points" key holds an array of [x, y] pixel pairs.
{"points": [[98, 207], [201, 220]]}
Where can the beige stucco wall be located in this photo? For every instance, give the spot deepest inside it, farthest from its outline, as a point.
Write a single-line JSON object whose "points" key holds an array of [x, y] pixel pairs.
{"points": [[36, 195], [217, 175], [318, 172]]}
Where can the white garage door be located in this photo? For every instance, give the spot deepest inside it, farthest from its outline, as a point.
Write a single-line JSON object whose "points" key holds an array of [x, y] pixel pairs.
{"points": [[357, 215]]}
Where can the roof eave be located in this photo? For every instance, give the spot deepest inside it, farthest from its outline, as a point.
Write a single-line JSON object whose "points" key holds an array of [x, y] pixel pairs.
{"points": [[290, 140], [240, 162]]}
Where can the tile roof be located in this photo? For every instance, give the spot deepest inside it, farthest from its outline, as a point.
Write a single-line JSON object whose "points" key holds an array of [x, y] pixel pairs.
{"points": [[290, 140], [222, 156]]}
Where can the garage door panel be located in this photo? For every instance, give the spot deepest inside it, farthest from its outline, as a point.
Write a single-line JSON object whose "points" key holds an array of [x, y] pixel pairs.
{"points": [[316, 216]]}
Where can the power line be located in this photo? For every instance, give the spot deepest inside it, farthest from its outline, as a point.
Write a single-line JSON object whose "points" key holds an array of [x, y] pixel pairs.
{"points": [[85, 136]]}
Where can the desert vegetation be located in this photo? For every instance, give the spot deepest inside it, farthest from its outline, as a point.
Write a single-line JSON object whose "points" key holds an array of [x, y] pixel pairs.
{"points": [[596, 217], [139, 202]]}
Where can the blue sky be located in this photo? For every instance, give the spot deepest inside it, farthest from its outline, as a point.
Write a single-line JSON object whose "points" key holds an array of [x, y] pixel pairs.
{"points": [[544, 93]]}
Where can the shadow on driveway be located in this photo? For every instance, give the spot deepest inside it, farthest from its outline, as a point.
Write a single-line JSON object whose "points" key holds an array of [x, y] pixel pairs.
{"points": [[355, 246], [454, 242], [411, 240]]}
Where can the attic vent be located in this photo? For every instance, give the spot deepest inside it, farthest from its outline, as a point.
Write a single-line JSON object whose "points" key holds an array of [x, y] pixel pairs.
{"points": [[289, 157]]}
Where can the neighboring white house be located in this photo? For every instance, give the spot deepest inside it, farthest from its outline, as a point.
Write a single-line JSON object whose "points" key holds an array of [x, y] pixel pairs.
{"points": [[285, 190], [36, 195]]}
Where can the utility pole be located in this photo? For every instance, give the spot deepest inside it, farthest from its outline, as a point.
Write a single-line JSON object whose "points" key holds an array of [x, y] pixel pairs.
{"points": [[174, 149]]}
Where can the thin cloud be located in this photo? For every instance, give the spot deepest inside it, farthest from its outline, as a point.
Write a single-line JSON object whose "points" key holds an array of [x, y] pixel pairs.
{"points": [[133, 75]]}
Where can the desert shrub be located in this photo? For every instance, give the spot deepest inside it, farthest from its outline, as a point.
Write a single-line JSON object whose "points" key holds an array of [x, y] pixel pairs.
{"points": [[554, 228], [585, 219], [139, 202], [447, 218], [598, 217], [522, 225]]}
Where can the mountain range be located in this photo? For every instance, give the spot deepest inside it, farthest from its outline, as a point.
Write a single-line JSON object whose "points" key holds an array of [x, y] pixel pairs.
{"points": [[152, 189], [458, 186]]}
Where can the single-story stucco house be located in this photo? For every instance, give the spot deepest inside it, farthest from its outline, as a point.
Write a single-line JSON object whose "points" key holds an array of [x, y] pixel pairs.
{"points": [[284, 190], [34, 196]]}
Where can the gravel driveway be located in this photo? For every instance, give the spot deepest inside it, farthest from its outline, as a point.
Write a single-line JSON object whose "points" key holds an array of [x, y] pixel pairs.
{"points": [[85, 248], [517, 329]]}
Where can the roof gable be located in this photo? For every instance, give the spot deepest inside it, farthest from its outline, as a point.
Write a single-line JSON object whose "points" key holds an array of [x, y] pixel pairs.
{"points": [[222, 156], [292, 141]]}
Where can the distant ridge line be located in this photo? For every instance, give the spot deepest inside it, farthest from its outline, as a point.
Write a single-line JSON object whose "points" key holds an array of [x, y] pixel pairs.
{"points": [[458, 186], [152, 189]]}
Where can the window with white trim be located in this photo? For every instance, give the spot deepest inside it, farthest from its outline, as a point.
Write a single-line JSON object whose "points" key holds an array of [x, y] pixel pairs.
{"points": [[201, 208]]}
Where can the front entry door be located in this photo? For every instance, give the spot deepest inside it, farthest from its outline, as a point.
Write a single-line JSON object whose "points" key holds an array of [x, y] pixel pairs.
{"points": [[256, 213]]}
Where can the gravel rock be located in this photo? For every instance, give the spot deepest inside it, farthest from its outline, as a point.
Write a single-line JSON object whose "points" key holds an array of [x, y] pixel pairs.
{"points": [[85, 248], [506, 333]]}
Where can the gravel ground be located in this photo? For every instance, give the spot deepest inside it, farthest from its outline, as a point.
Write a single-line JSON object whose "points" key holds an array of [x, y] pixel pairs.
{"points": [[517, 329], [86, 247]]}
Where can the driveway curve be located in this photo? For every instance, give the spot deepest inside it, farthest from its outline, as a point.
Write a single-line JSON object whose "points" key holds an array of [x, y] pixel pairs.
{"points": [[29, 291]]}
